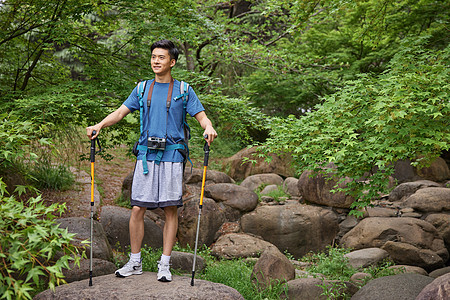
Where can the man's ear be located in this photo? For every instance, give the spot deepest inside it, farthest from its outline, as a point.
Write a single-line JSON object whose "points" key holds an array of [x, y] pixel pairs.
{"points": [[172, 62]]}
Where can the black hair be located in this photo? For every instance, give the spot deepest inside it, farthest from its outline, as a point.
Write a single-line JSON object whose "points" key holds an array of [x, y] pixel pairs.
{"points": [[168, 45]]}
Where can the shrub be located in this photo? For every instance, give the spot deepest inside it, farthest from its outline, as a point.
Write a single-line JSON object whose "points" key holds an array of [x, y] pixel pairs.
{"points": [[28, 244]]}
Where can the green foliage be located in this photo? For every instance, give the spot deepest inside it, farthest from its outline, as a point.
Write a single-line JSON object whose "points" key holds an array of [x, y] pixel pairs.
{"points": [[48, 176], [28, 244], [331, 263], [374, 121]]}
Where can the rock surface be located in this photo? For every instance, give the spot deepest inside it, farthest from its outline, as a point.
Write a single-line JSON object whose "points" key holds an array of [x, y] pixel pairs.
{"points": [[235, 245], [436, 290], [398, 287], [144, 286]]}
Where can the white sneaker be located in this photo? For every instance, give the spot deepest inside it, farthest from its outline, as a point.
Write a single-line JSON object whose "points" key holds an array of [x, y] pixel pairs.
{"points": [[130, 268], [164, 272]]}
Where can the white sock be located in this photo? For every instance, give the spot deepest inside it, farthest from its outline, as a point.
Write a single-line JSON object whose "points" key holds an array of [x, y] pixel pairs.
{"points": [[165, 259], [135, 256]]}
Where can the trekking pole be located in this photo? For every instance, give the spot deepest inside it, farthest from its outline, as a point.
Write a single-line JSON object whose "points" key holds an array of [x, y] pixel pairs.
{"points": [[205, 165], [92, 197]]}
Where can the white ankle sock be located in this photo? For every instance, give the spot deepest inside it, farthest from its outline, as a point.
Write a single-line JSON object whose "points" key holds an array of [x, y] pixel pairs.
{"points": [[135, 256], [165, 259]]}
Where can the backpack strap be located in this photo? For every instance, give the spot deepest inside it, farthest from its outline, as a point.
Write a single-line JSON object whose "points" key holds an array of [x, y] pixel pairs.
{"points": [[184, 94]]}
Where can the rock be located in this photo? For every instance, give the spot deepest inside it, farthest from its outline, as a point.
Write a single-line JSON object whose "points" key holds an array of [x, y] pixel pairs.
{"points": [[255, 181], [404, 253], [116, 219], [126, 186], [442, 224], [295, 228], [239, 170], [426, 248], [403, 171], [268, 189], [318, 190], [211, 220], [236, 245], [404, 190], [183, 261], [439, 272], [409, 269], [429, 200], [438, 289], [360, 277], [380, 212], [290, 186], [366, 257], [232, 195], [144, 286], [398, 287], [212, 176], [310, 288], [81, 227], [272, 266], [100, 267], [437, 171]]}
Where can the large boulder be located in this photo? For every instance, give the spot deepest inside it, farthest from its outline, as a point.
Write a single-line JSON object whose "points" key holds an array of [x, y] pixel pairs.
{"points": [[398, 287], [419, 240], [290, 186], [431, 199], [234, 245], [295, 228], [281, 165], [406, 189], [437, 171], [232, 195], [255, 181], [116, 220], [142, 287], [437, 289], [211, 220], [272, 266], [318, 189], [81, 227], [183, 261]]}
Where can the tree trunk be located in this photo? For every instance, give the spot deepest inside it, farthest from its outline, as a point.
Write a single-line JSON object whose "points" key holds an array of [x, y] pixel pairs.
{"points": [[190, 64]]}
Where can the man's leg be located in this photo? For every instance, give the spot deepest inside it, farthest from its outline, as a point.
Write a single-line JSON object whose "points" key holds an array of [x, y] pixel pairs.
{"points": [[134, 266], [169, 236]]}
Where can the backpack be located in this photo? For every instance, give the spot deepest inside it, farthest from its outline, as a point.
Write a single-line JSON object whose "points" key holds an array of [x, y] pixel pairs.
{"points": [[181, 146]]}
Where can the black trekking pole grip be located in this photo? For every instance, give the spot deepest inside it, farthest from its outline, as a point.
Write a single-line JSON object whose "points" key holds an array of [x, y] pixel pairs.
{"points": [[93, 147], [206, 150]]}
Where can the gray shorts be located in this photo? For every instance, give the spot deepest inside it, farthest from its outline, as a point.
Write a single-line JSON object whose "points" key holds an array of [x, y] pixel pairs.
{"points": [[161, 187]]}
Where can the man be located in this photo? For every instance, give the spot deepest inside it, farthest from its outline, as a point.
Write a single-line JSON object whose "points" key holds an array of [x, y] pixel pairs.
{"points": [[157, 180]]}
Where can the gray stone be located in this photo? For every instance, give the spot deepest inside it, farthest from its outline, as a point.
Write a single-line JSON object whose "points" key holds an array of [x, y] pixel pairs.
{"points": [[211, 220], [255, 181], [432, 199], [398, 287], [290, 186], [406, 189], [295, 228], [442, 224], [100, 267], [272, 266], [236, 245], [81, 227], [439, 289], [366, 257], [116, 220], [269, 188], [232, 195], [144, 286], [310, 288], [318, 190], [408, 269], [437, 171], [439, 272], [212, 176], [183, 261]]}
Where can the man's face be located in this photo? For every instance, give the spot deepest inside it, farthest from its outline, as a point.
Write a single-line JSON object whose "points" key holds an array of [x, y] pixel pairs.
{"points": [[161, 62]]}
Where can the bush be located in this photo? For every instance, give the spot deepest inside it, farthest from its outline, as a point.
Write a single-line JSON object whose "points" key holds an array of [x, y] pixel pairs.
{"points": [[28, 244]]}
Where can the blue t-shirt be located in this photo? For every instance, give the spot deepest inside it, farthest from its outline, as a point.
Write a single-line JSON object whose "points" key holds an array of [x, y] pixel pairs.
{"points": [[160, 124]]}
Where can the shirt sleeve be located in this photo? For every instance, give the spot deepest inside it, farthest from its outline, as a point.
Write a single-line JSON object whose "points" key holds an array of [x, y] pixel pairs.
{"points": [[132, 102], [194, 106]]}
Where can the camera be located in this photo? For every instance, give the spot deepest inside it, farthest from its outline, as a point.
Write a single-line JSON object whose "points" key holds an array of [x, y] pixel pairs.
{"points": [[156, 143]]}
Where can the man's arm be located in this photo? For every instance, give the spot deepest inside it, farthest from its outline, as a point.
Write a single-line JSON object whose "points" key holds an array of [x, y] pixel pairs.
{"points": [[111, 119], [206, 124]]}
